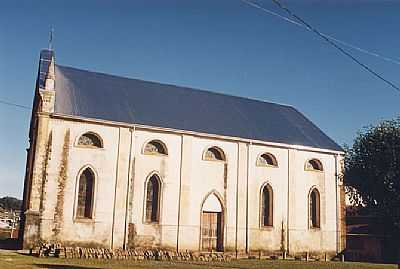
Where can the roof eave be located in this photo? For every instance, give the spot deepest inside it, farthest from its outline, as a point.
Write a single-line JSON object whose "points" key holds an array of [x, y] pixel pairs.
{"points": [[195, 133]]}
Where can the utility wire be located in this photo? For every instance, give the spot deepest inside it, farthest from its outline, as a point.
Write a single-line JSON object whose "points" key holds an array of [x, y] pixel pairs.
{"points": [[311, 28], [371, 53], [324, 37], [14, 104]]}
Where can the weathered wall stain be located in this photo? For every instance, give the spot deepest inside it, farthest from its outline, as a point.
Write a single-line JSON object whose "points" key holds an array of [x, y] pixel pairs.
{"points": [[45, 163], [62, 178]]}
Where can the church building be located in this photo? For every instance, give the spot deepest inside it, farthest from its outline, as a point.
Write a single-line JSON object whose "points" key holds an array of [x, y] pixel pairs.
{"points": [[115, 162]]}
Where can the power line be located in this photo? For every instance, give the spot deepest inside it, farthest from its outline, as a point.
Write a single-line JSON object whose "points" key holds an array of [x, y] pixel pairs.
{"points": [[327, 39], [347, 44], [14, 105]]}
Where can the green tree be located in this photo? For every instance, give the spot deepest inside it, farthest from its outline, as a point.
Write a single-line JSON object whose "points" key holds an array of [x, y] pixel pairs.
{"points": [[10, 203], [372, 167]]}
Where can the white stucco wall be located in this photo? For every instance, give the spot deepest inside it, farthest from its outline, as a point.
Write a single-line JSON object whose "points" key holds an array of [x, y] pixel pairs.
{"points": [[122, 171]]}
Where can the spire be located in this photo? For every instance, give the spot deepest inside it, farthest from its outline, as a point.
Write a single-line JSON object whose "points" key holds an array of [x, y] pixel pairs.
{"points": [[50, 76], [51, 34]]}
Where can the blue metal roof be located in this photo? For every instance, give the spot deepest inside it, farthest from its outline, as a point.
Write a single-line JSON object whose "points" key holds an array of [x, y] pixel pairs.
{"points": [[107, 97]]}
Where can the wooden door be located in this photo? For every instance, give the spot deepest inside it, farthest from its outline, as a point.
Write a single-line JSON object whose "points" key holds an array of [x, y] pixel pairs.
{"points": [[211, 224]]}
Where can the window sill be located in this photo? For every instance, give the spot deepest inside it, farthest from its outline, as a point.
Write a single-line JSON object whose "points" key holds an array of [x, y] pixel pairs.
{"points": [[267, 165], [152, 223], [88, 147], [84, 220], [313, 170], [155, 154], [215, 161], [267, 228]]}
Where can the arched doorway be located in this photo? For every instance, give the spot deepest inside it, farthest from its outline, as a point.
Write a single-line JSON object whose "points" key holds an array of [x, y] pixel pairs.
{"points": [[212, 224]]}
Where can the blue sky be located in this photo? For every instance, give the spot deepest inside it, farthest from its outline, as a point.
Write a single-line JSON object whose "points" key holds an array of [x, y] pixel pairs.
{"points": [[224, 46]]}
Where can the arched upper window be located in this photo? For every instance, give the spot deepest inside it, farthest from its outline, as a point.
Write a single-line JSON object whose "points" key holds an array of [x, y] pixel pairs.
{"points": [[214, 154], [314, 206], [90, 140], [267, 205], [153, 199], [85, 194], [314, 165], [155, 147], [267, 159]]}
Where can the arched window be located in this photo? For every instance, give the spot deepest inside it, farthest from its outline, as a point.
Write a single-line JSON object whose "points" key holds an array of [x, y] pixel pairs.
{"points": [[314, 201], [214, 154], [155, 147], [267, 159], [267, 205], [314, 165], [85, 194], [153, 199], [90, 140]]}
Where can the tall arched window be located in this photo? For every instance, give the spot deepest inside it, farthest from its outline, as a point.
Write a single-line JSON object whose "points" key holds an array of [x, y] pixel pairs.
{"points": [[267, 159], [90, 140], [85, 194], [314, 165], [155, 147], [214, 154], [314, 201], [267, 205], [153, 199]]}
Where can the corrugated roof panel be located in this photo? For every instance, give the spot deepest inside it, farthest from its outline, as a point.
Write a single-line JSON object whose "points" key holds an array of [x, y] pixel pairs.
{"points": [[107, 97]]}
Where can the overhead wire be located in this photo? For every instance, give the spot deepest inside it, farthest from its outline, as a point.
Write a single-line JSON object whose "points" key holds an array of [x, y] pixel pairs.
{"points": [[324, 37], [14, 104], [347, 44]]}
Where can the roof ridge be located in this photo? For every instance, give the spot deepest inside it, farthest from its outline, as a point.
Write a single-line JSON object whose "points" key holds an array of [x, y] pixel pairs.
{"points": [[179, 86]]}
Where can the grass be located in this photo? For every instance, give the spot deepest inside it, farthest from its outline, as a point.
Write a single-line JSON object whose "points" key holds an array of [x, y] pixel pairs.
{"points": [[15, 260]]}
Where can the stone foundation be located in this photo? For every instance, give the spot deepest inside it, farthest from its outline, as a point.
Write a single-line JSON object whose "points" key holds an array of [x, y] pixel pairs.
{"points": [[56, 250]]}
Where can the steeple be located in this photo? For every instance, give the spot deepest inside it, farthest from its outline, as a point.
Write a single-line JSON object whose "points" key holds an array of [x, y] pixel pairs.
{"points": [[46, 80]]}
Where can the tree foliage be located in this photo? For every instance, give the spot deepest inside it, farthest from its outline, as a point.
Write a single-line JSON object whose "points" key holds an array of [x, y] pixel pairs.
{"points": [[372, 167], [10, 203]]}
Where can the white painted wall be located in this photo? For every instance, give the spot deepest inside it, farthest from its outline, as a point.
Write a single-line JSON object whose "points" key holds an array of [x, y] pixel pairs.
{"points": [[187, 180]]}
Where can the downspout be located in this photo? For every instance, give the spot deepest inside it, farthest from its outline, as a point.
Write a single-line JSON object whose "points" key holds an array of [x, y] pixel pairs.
{"points": [[180, 194], [247, 198], [288, 203], [115, 189], [128, 187], [237, 201], [337, 207]]}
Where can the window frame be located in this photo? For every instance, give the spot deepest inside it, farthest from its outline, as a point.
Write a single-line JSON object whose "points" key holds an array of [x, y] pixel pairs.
{"points": [[311, 225], [158, 141], [94, 193], [317, 161], [270, 190], [159, 198], [219, 150], [78, 145], [272, 156]]}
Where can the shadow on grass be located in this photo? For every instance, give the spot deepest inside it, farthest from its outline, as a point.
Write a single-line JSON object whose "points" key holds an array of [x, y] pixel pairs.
{"points": [[10, 244], [62, 266]]}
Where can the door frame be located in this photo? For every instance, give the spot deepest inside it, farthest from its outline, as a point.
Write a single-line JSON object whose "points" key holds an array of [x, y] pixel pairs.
{"points": [[222, 225]]}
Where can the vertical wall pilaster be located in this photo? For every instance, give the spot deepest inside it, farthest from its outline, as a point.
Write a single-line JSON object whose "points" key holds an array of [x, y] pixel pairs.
{"points": [[184, 213], [32, 215], [121, 188]]}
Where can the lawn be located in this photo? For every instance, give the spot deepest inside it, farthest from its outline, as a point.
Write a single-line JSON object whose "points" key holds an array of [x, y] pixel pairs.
{"points": [[14, 260]]}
